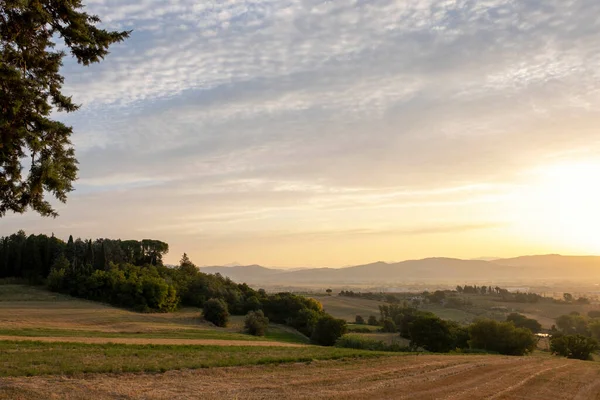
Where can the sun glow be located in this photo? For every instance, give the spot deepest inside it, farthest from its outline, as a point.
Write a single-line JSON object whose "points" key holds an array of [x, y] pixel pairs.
{"points": [[565, 205]]}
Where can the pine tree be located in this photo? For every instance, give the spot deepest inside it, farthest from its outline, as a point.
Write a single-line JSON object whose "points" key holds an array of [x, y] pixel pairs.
{"points": [[30, 90]]}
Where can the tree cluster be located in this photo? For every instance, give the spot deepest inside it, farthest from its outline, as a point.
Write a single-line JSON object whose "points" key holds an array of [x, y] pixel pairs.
{"points": [[131, 274], [521, 321], [427, 331]]}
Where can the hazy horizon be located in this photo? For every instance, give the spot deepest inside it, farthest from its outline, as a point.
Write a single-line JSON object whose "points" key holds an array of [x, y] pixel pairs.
{"points": [[296, 133]]}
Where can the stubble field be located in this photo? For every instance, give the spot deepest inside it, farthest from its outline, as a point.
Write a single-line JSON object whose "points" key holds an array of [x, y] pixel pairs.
{"points": [[399, 377]]}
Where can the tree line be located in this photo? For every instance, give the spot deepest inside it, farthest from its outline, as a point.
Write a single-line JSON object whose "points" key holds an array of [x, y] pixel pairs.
{"points": [[131, 274], [427, 331]]}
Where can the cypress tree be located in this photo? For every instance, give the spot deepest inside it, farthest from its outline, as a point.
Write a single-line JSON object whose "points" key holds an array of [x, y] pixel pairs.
{"points": [[103, 262], [89, 254]]}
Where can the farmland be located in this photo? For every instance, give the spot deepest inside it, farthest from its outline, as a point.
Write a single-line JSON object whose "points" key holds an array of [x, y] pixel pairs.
{"points": [[399, 377], [482, 306], [54, 346]]}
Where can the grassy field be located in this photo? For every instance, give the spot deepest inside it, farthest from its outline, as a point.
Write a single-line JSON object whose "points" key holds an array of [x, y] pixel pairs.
{"points": [[395, 377], [36, 358], [35, 312]]}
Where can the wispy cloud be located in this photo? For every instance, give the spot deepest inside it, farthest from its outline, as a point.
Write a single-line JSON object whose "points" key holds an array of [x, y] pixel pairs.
{"points": [[256, 115]]}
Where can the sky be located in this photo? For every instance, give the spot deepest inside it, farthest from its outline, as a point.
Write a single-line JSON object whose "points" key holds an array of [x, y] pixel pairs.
{"points": [[297, 133]]}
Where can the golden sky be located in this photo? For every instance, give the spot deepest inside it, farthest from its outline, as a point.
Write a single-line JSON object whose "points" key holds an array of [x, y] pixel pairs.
{"points": [[307, 133]]}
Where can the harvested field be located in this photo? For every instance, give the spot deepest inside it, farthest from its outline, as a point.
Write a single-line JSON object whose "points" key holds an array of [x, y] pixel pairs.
{"points": [[401, 377], [157, 341]]}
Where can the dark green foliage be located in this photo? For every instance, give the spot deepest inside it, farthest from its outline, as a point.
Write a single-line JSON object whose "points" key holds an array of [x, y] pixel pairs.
{"points": [[328, 330], [436, 335], [256, 323], [436, 297], [388, 325], [31, 91], [521, 321], [296, 311], [568, 297], [594, 328], [501, 337], [402, 316], [130, 274], [139, 288], [572, 324], [359, 320], [573, 346], [215, 311], [372, 320], [432, 334]]}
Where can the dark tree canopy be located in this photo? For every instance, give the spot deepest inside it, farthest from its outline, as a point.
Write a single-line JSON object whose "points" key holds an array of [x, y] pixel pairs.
{"points": [[30, 89]]}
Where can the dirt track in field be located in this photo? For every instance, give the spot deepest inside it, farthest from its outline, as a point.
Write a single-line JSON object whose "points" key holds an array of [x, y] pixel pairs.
{"points": [[403, 377], [159, 341]]}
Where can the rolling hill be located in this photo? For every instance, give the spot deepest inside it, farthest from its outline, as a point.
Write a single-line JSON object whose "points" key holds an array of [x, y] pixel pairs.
{"points": [[428, 270]]}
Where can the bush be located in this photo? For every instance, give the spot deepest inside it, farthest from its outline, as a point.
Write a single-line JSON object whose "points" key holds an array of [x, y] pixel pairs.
{"points": [[573, 346], [501, 337], [373, 320], [389, 326], [521, 321], [256, 323], [359, 320], [438, 336], [328, 330], [363, 343], [572, 324], [215, 311], [360, 330]]}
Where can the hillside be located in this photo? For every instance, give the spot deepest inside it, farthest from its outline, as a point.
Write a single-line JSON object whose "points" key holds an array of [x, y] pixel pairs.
{"points": [[429, 270]]}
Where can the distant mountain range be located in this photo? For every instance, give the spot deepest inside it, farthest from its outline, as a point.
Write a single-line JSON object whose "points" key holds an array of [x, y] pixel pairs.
{"points": [[433, 270]]}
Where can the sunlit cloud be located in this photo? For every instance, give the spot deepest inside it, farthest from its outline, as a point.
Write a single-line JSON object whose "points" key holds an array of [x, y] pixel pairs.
{"points": [[221, 124]]}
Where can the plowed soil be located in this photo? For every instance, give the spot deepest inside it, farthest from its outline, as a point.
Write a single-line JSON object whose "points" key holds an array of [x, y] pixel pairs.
{"points": [[403, 377]]}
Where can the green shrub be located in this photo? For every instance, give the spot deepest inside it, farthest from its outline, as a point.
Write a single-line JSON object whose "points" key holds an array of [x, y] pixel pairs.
{"points": [[256, 323], [389, 326], [360, 330], [373, 320], [359, 320], [522, 321], [363, 343], [432, 334], [215, 311], [501, 337], [573, 346], [328, 330]]}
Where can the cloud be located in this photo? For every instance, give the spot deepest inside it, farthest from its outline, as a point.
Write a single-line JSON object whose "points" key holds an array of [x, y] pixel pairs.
{"points": [[252, 115]]}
